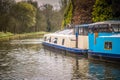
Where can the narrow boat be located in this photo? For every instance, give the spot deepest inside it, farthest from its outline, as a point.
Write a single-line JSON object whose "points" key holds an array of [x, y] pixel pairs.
{"points": [[73, 40], [104, 41]]}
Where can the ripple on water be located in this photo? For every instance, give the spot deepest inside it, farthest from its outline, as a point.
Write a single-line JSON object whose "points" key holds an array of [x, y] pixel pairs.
{"points": [[27, 60], [27, 41]]}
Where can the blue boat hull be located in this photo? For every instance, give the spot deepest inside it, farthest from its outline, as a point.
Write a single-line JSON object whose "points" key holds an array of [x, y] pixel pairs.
{"points": [[104, 56], [72, 50]]}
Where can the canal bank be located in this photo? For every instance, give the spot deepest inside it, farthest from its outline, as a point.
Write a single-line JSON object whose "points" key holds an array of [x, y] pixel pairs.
{"points": [[9, 36]]}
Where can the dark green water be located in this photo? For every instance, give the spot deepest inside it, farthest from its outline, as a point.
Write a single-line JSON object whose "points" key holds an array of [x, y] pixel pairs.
{"points": [[27, 60]]}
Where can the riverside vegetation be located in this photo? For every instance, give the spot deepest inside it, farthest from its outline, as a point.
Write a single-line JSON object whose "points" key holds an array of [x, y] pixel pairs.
{"points": [[27, 16]]}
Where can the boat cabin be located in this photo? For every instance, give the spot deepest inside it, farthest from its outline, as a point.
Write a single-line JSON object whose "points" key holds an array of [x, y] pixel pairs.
{"points": [[81, 29], [76, 37], [81, 32], [104, 38]]}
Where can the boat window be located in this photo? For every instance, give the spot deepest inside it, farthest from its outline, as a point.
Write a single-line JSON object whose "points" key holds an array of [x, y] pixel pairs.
{"points": [[116, 27], [90, 29], [50, 39], [83, 31], [100, 28], [76, 30], [63, 41], [103, 28], [103, 25], [108, 45], [55, 40]]}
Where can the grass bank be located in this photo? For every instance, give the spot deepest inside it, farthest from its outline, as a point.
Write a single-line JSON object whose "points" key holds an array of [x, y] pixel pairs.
{"points": [[10, 36]]}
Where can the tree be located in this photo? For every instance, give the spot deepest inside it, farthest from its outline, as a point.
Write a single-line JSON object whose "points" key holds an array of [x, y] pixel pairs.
{"points": [[25, 14], [41, 23], [102, 10], [116, 9], [63, 5], [48, 12], [106, 10], [68, 14], [82, 12], [5, 6], [34, 3]]}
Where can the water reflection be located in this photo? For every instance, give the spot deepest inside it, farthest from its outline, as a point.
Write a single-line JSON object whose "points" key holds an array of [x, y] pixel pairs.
{"points": [[104, 71], [30, 61]]}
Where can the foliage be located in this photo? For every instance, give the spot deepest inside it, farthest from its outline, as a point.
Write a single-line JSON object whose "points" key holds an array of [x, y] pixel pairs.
{"points": [[116, 9], [53, 18], [16, 17], [106, 10], [34, 3], [24, 14], [102, 11], [56, 21], [5, 6], [48, 13], [40, 21], [68, 15], [27, 16], [47, 18], [63, 5]]}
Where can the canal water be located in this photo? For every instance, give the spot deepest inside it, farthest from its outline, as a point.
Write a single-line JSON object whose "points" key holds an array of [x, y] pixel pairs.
{"points": [[27, 59]]}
